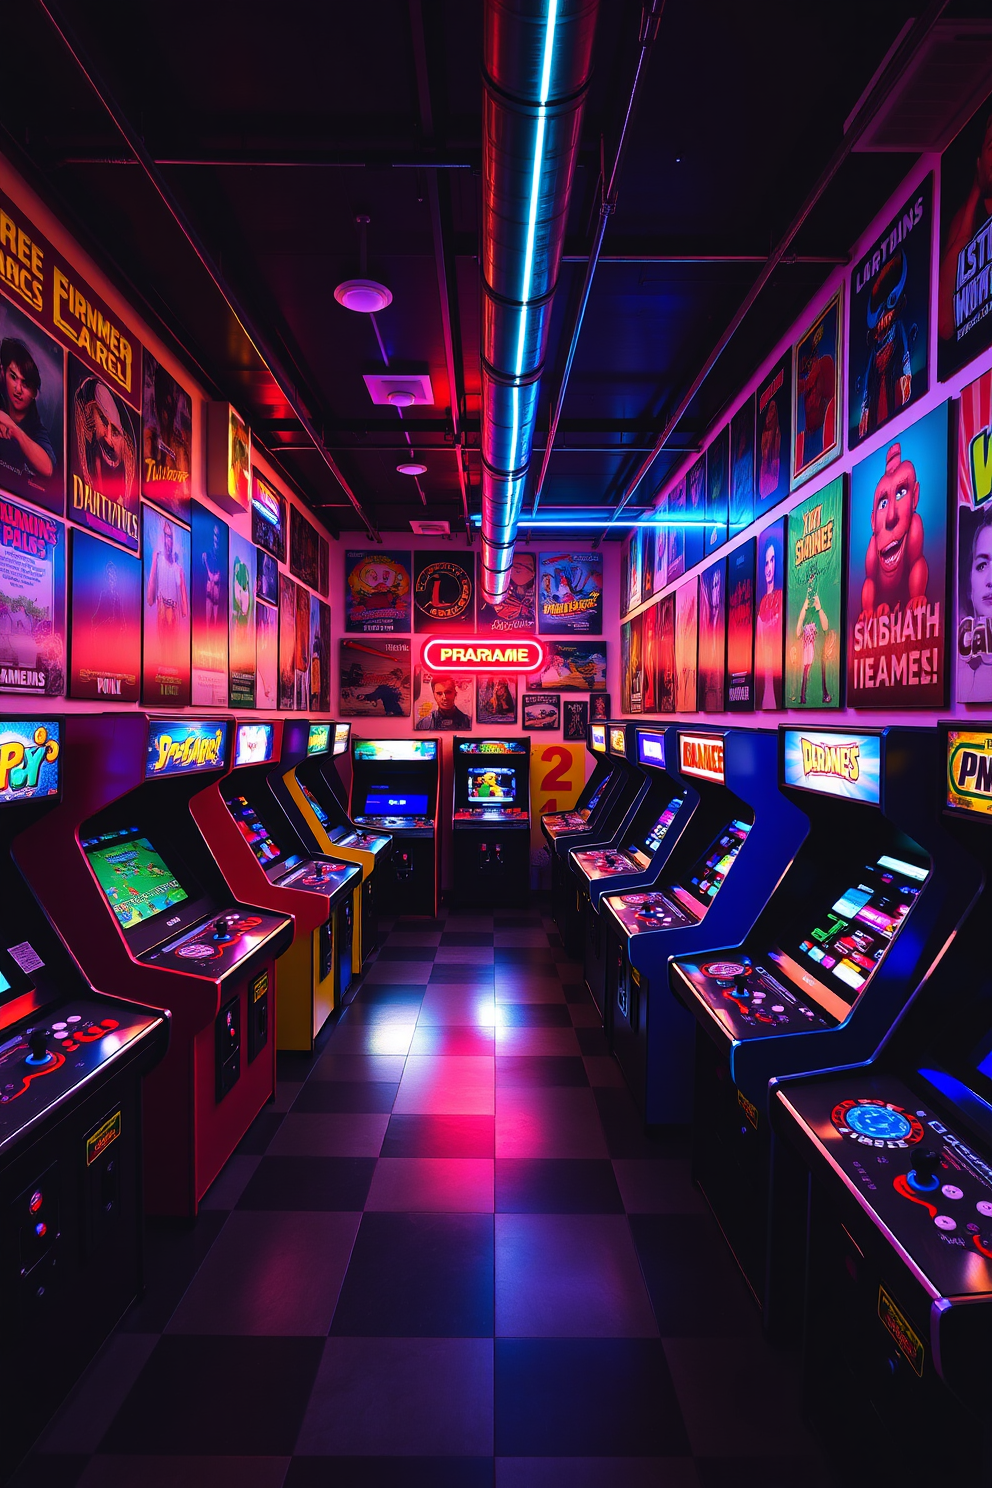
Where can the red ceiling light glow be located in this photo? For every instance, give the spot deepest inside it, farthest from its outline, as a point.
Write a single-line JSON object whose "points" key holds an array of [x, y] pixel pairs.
{"points": [[476, 654]]}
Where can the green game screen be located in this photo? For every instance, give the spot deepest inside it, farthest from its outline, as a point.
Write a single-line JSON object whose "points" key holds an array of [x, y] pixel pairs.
{"points": [[135, 880]]}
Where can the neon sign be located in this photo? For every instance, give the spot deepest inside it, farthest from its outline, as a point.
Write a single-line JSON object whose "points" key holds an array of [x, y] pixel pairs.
{"points": [[521, 654]]}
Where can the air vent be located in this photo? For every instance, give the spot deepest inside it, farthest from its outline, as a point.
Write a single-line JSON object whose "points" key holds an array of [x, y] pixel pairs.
{"points": [[400, 389], [941, 89], [431, 529]]}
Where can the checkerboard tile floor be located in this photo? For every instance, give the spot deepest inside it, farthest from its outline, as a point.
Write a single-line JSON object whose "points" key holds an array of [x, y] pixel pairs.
{"points": [[446, 1256]]}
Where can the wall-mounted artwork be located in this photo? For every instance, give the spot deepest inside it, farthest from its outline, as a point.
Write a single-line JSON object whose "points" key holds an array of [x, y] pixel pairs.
{"points": [[661, 513], [964, 295], [266, 577], [816, 394], [374, 680], [32, 602], [712, 645], [769, 624], [304, 549], [814, 599], [495, 699], [209, 622], [773, 436], [599, 707], [287, 642], [268, 518], [377, 592], [105, 636], [517, 613], [675, 534], [686, 628], [575, 720], [973, 654], [695, 513], [228, 457], [323, 566], [541, 711], [165, 611], [166, 440], [649, 553], [635, 543], [442, 701], [625, 667], [575, 666], [443, 592], [740, 628], [319, 677], [241, 628], [103, 440], [650, 645], [717, 491], [266, 656], [665, 677], [32, 412], [637, 664], [742, 468]]}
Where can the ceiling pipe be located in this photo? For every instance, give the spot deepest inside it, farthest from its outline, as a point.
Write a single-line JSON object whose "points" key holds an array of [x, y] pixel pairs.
{"points": [[282, 375], [890, 76], [537, 61]]}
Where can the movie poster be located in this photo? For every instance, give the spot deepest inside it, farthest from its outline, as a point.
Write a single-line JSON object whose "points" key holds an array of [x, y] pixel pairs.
{"points": [[287, 642], [32, 412], [517, 612], [375, 678], [712, 636], [32, 602], [650, 645], [964, 294], [301, 658], [740, 628], [573, 666], [742, 468], [890, 319], [166, 440], [649, 555], [266, 577], [634, 545], [973, 658], [495, 699], [816, 395], [665, 683], [444, 592], [165, 611], [575, 720], [105, 635], [686, 623], [209, 592], [319, 682], [442, 702], [304, 549], [625, 667], [241, 623], [103, 437], [570, 592], [813, 599], [599, 707], [717, 491], [268, 518], [675, 533], [377, 592], [541, 711], [769, 622], [695, 513], [773, 436], [637, 664], [897, 623], [267, 657]]}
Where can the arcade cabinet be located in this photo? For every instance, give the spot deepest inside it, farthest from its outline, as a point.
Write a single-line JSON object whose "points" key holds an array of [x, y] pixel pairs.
{"points": [[562, 829], [265, 860], [900, 1203], [736, 845], [877, 890], [491, 821], [394, 789], [71, 1068], [309, 786], [636, 860], [144, 909]]}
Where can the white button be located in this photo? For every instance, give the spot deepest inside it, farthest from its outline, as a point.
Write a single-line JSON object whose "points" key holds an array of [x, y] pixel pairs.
{"points": [[951, 1191], [984, 1206], [777, 1007], [75, 1018], [57, 1026], [945, 1222]]}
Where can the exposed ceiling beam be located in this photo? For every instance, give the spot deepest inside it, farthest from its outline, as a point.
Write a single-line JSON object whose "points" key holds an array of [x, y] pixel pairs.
{"points": [[343, 158]]}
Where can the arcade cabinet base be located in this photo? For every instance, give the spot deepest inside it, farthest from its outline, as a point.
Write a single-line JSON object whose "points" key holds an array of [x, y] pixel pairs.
{"points": [[305, 978]]}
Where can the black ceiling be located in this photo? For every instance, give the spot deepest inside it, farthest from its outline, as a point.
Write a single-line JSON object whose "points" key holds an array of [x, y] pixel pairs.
{"points": [[292, 120]]}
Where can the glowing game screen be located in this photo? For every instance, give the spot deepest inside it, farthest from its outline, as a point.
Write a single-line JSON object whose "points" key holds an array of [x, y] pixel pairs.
{"points": [[252, 830], [318, 738], [707, 877], [413, 750], [255, 743], [597, 794], [30, 762], [597, 737], [135, 880], [618, 741], [342, 733], [318, 810], [491, 783], [395, 803], [656, 836]]}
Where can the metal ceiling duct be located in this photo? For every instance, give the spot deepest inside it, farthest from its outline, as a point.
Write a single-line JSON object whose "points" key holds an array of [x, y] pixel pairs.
{"points": [[537, 60]]}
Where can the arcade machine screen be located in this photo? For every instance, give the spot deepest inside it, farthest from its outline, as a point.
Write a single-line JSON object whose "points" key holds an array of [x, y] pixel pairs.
{"points": [[706, 878], [318, 738], [618, 741], [255, 744], [135, 880], [314, 804], [492, 783], [254, 832], [407, 751], [342, 734], [596, 796], [381, 801], [650, 844]]}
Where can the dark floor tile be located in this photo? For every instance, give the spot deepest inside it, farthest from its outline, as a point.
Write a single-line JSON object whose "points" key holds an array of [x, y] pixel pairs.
{"points": [[55, 1470], [173, 1252], [555, 939], [385, 995], [368, 1010], [534, 1015], [219, 1396], [695, 1286], [529, 921], [603, 1397], [407, 953], [417, 1276], [463, 973], [596, 1472], [346, 1095], [439, 1136], [535, 1069], [592, 1040], [565, 1185], [523, 956], [623, 1124], [295, 1065], [764, 1472], [418, 922], [390, 1472], [576, 992], [199, 1471], [260, 1133], [309, 1183], [466, 938]]}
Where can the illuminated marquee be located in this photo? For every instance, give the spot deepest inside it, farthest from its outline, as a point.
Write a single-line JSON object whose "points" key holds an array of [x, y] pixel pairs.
{"points": [[318, 738], [833, 763], [179, 748], [969, 771], [442, 654], [702, 755], [29, 760], [598, 737], [618, 741], [651, 749]]}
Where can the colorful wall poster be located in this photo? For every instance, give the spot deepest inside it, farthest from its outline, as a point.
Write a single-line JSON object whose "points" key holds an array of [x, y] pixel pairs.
{"points": [[541, 711], [377, 592], [964, 294], [304, 549], [973, 651], [517, 612], [649, 554], [228, 457], [105, 635], [319, 689], [814, 599], [890, 319], [769, 626], [287, 642], [266, 577], [665, 683], [773, 436], [267, 657], [241, 622], [301, 662], [712, 643], [717, 491], [740, 628], [695, 513], [323, 566], [575, 720], [742, 468], [209, 591], [686, 626], [570, 592], [495, 699], [897, 619], [573, 666], [599, 707], [816, 395], [32, 412], [165, 610], [166, 440], [650, 647], [968, 782], [32, 602], [103, 459], [625, 667], [375, 677], [637, 664], [443, 592], [268, 518], [674, 535], [442, 701], [660, 514], [635, 572]]}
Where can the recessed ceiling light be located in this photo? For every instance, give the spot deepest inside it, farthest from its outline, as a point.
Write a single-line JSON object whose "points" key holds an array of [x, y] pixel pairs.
{"points": [[364, 295], [401, 397], [412, 467]]}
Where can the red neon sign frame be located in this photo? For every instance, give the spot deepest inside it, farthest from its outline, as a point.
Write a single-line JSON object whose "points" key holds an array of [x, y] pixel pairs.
{"points": [[484, 654]]}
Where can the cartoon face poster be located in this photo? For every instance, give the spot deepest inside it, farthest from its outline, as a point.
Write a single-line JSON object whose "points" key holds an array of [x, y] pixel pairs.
{"points": [[374, 681], [742, 468], [816, 395], [443, 592], [740, 628], [717, 490], [241, 623], [769, 620], [103, 459], [517, 611], [377, 592], [105, 637], [897, 571], [570, 593], [165, 610], [813, 599], [890, 319], [32, 412], [964, 294], [209, 586], [773, 436], [712, 636], [166, 440], [973, 658], [686, 624]]}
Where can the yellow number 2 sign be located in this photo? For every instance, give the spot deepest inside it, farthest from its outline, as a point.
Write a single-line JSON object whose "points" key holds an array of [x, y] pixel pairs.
{"points": [[557, 775]]}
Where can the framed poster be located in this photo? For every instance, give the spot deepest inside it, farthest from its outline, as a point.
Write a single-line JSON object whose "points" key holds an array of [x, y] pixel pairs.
{"points": [[323, 566], [32, 602], [32, 412], [599, 707], [814, 599], [575, 720], [635, 544], [442, 701], [769, 625], [268, 518], [304, 549], [964, 294], [228, 457], [637, 664], [660, 513], [166, 440], [686, 626], [374, 680], [287, 642], [266, 577], [897, 624], [717, 491], [377, 592], [625, 667], [773, 436], [712, 645], [495, 699], [517, 613], [444, 592], [266, 657], [573, 666], [695, 513], [973, 652], [740, 628], [319, 676], [541, 711], [816, 394], [241, 622], [665, 680], [105, 635], [165, 611], [570, 592], [742, 468], [889, 341], [649, 551], [103, 459], [209, 596], [650, 643], [301, 659]]}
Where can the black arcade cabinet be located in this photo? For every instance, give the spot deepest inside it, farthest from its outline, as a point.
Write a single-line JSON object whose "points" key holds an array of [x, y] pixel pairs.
{"points": [[71, 1069], [562, 829], [395, 789], [491, 821]]}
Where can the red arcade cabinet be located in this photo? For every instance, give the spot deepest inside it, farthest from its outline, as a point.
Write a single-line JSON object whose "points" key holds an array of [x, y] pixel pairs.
{"points": [[144, 909]]}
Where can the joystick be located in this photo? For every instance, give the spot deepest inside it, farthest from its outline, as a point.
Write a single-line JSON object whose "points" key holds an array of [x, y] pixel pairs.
{"points": [[223, 927], [924, 1177], [38, 1047]]}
